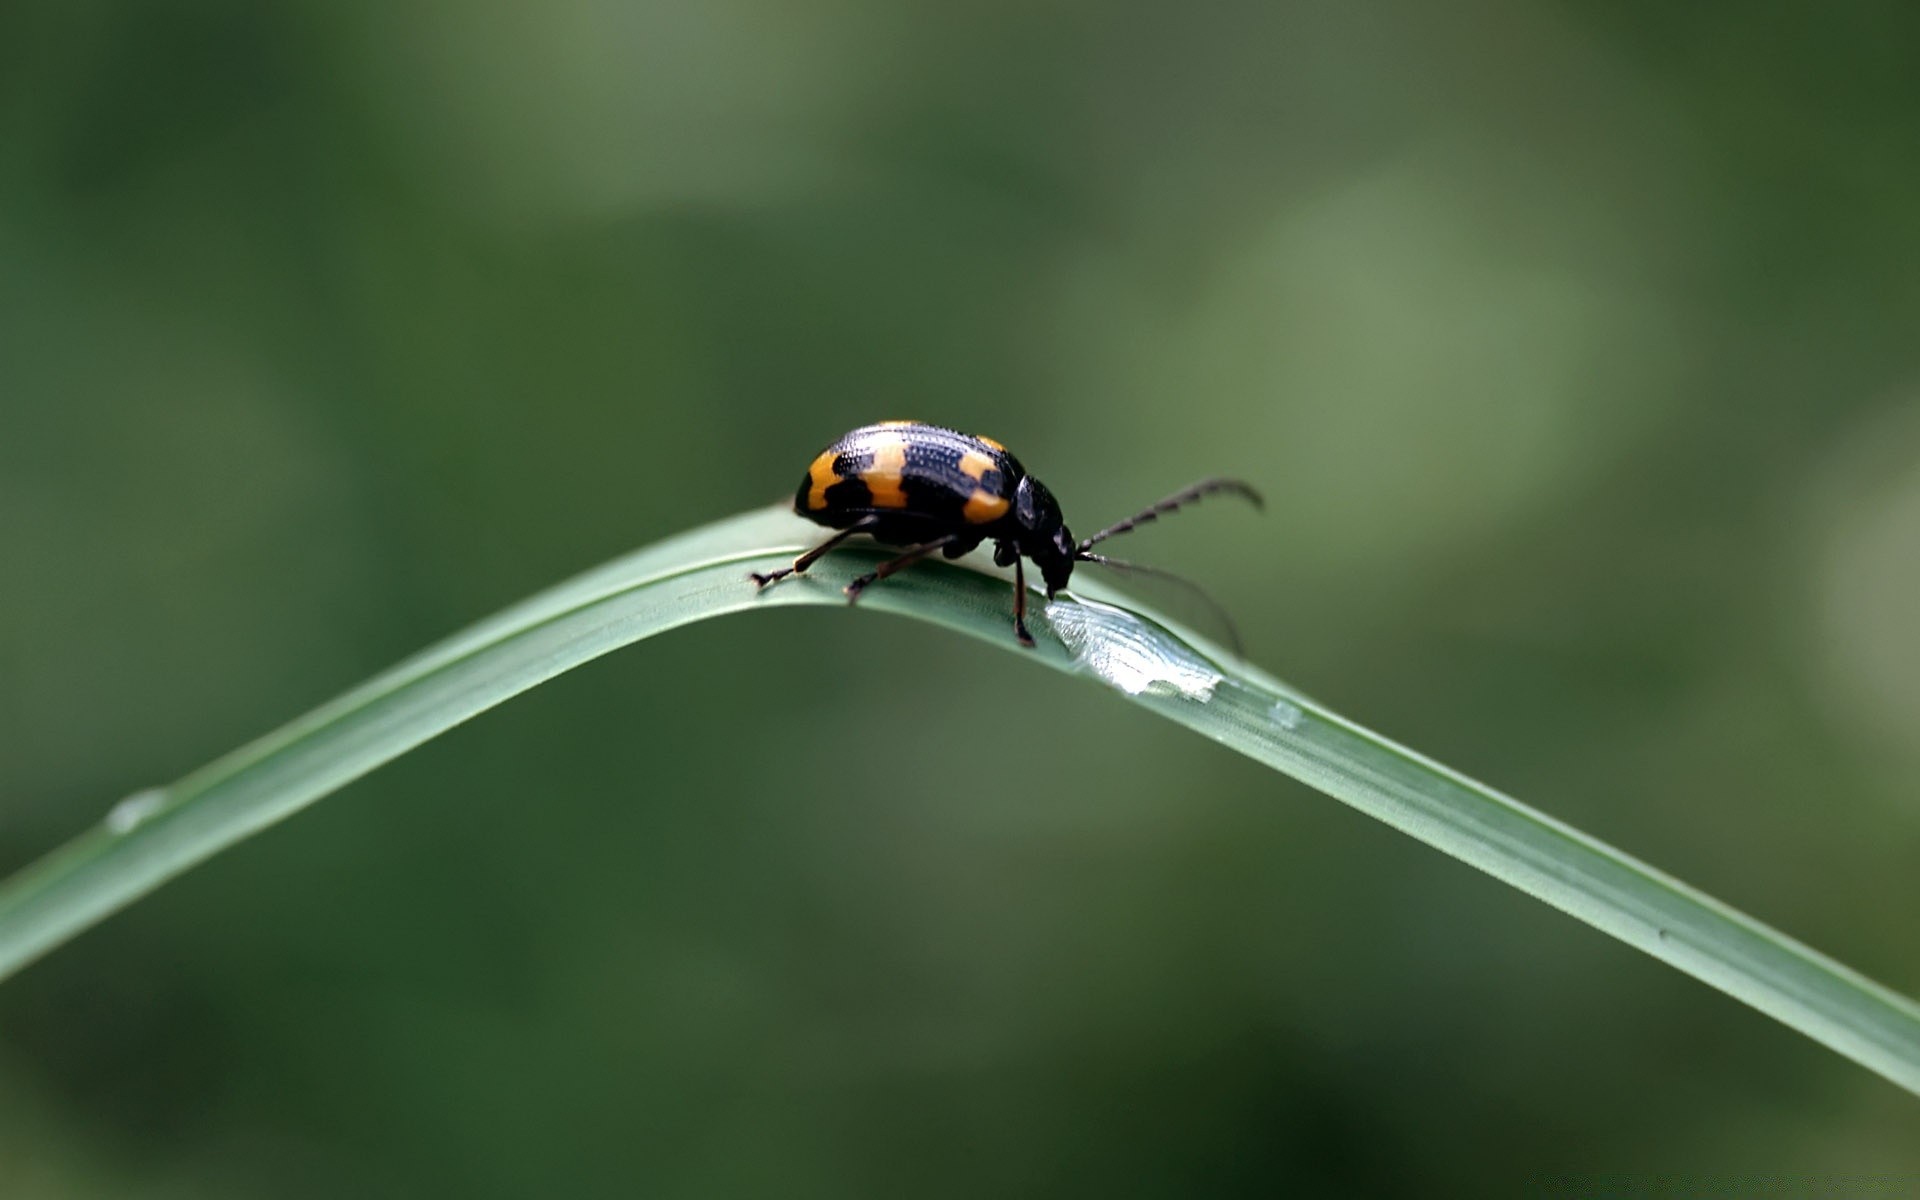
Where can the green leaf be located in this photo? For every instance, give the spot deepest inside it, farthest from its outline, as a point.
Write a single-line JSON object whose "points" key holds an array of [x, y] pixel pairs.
{"points": [[155, 835]]}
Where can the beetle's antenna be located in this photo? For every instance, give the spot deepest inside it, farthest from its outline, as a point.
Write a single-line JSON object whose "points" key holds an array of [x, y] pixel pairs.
{"points": [[1206, 487], [1219, 611]]}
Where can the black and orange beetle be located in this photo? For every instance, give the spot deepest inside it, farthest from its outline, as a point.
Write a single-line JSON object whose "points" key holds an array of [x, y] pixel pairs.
{"points": [[903, 483]]}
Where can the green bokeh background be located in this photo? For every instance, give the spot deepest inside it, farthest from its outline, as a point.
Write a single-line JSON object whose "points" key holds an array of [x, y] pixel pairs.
{"points": [[1576, 345]]}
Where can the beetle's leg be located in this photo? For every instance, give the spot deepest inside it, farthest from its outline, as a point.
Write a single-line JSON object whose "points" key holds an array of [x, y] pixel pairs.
{"points": [[806, 560], [1020, 604], [895, 564]]}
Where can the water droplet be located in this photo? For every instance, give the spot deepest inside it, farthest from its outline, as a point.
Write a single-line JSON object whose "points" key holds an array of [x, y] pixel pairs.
{"points": [[1286, 714], [128, 815], [1129, 653]]}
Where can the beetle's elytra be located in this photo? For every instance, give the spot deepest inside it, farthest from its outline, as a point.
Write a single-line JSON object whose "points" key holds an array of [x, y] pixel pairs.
{"points": [[930, 489]]}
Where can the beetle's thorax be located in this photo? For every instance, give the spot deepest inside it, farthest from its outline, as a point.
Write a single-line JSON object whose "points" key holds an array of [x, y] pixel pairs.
{"points": [[1043, 534]]}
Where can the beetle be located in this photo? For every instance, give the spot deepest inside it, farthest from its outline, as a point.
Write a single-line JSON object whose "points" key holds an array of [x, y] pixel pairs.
{"points": [[929, 488]]}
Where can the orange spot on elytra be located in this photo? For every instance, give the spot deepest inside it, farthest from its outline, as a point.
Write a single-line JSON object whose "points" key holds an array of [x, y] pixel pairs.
{"points": [[982, 508], [987, 441], [976, 464], [823, 476], [884, 477]]}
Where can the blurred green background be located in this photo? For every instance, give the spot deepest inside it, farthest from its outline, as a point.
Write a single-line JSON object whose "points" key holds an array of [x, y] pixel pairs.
{"points": [[1574, 344]]}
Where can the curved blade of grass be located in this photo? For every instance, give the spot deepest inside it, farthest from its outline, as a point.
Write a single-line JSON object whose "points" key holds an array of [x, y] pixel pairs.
{"points": [[155, 835]]}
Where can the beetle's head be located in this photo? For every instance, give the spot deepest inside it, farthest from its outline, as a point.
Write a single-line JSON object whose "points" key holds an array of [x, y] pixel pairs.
{"points": [[1044, 537]]}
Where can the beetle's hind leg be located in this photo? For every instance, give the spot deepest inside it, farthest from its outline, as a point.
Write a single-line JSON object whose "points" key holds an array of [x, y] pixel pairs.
{"points": [[895, 564], [806, 560]]}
